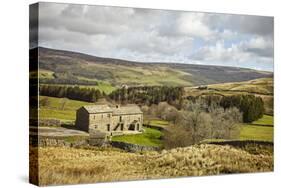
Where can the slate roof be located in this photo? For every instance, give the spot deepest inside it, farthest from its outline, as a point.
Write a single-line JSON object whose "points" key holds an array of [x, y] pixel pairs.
{"points": [[92, 109], [132, 109], [121, 110]]}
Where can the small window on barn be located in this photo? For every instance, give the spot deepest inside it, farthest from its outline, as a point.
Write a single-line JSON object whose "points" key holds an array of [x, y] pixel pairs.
{"points": [[120, 118], [96, 126]]}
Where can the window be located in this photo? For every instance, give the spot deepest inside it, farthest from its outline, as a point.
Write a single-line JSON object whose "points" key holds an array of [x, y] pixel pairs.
{"points": [[120, 118], [96, 126], [108, 127], [138, 127]]}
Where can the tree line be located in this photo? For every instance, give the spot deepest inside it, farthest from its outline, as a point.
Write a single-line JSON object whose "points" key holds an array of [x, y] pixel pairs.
{"points": [[147, 95], [75, 93], [251, 106]]}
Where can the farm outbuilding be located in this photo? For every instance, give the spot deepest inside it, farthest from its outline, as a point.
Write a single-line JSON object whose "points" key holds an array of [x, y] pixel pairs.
{"points": [[105, 118]]}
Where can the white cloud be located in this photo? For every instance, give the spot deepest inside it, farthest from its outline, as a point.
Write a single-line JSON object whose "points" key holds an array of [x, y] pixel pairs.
{"points": [[192, 24], [251, 53], [260, 43]]}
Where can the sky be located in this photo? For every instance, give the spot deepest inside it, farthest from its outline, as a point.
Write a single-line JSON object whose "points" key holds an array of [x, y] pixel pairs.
{"points": [[149, 35]]}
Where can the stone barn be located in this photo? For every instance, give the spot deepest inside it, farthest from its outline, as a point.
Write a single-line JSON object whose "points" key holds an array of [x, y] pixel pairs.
{"points": [[104, 118]]}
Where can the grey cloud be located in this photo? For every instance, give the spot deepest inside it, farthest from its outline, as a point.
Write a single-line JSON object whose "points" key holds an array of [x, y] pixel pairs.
{"points": [[261, 52], [259, 25], [151, 35]]}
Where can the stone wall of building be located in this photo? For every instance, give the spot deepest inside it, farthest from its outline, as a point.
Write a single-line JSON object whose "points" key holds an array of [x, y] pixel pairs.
{"points": [[107, 122], [82, 120], [130, 122], [100, 121]]}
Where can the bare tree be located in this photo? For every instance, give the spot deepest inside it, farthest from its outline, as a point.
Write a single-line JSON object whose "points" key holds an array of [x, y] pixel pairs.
{"points": [[198, 122], [177, 136], [225, 123]]}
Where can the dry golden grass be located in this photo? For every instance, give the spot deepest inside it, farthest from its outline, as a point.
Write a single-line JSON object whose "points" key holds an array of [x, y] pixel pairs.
{"points": [[71, 166]]}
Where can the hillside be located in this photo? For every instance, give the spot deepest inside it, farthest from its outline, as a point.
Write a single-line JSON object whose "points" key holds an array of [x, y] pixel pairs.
{"points": [[262, 87], [64, 67], [60, 165]]}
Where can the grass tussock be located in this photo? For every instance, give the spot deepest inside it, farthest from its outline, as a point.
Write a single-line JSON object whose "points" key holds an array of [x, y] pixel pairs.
{"points": [[72, 166]]}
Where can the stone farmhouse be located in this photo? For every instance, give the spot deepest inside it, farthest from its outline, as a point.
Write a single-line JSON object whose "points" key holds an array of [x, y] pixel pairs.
{"points": [[108, 119]]}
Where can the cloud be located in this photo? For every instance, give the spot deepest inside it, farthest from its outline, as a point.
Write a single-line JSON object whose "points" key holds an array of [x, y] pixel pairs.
{"points": [[192, 24], [157, 35], [255, 53], [260, 46]]}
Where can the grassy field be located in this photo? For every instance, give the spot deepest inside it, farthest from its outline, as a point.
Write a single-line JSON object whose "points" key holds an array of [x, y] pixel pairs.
{"points": [[262, 85], [55, 109], [59, 165], [253, 132], [265, 120], [261, 129], [150, 137], [105, 87], [156, 122]]}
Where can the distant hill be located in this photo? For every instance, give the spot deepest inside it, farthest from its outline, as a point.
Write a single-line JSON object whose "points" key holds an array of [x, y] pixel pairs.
{"points": [[65, 67]]}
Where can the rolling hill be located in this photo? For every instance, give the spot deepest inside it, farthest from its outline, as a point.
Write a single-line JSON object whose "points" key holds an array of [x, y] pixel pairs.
{"points": [[65, 67], [262, 87]]}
